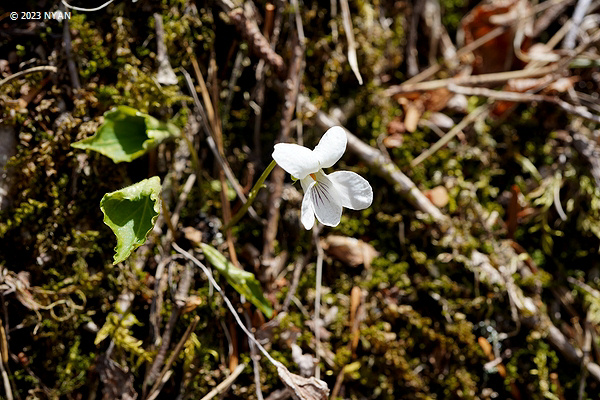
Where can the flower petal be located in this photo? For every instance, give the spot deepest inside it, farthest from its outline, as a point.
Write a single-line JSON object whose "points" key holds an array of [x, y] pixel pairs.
{"points": [[306, 183], [331, 147], [296, 160], [308, 214], [354, 190], [325, 200]]}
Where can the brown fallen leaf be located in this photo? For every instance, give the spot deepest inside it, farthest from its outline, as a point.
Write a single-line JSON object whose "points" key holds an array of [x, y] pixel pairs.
{"points": [[395, 131], [393, 141], [438, 196], [191, 303], [487, 349], [192, 234], [396, 126], [355, 300], [303, 388], [436, 100], [413, 112], [495, 55], [512, 212], [416, 103], [351, 251]]}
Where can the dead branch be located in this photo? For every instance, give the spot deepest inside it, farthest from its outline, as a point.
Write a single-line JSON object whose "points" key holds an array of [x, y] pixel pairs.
{"points": [[257, 42], [549, 16], [473, 80], [580, 11], [580, 111], [412, 65], [261, 70]]}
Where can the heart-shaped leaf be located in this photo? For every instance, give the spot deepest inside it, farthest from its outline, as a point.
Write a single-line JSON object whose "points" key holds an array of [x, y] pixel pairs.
{"points": [[242, 281], [131, 213], [127, 134]]}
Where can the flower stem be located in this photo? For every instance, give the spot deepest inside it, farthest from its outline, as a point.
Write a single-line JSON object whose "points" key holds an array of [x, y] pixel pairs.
{"points": [[253, 193], [317, 316]]}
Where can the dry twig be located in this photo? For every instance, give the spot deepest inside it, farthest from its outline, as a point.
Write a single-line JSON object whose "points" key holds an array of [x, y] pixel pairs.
{"points": [[165, 75], [257, 42], [73, 71], [226, 384], [456, 129], [580, 111], [31, 70], [347, 19], [473, 80], [580, 11], [180, 301]]}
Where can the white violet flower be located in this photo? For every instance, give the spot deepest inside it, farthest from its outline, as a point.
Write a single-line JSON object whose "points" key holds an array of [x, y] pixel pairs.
{"points": [[324, 195]]}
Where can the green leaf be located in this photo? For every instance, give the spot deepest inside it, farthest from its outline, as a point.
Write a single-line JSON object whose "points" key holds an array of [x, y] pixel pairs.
{"points": [[127, 134], [242, 281], [131, 213]]}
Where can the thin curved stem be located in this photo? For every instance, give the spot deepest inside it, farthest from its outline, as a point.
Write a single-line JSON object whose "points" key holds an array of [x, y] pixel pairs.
{"points": [[87, 9], [214, 283], [40, 68], [253, 193]]}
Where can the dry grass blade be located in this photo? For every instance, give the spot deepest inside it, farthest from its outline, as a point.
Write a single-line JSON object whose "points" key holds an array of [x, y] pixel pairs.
{"points": [[165, 74], [351, 42], [468, 120], [41, 68], [474, 80], [227, 382], [4, 361], [213, 147], [525, 98]]}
